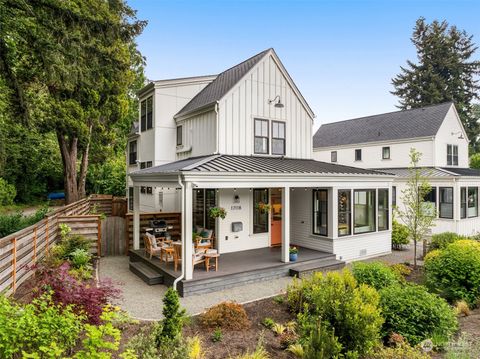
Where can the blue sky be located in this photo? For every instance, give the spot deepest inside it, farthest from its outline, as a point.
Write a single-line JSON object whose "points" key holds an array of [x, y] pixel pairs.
{"points": [[341, 54]]}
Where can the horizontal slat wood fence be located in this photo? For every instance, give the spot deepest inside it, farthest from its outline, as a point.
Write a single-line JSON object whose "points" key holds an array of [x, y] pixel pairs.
{"points": [[172, 218], [22, 249]]}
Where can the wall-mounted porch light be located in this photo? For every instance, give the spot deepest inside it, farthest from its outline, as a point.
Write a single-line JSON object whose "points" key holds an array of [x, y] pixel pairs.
{"points": [[277, 101], [458, 133]]}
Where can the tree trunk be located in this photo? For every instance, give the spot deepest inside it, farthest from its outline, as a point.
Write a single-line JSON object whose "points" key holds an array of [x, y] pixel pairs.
{"points": [[68, 150], [82, 179]]}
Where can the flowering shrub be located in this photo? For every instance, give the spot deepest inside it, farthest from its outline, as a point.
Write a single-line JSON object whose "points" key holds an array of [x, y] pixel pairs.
{"points": [[86, 297]]}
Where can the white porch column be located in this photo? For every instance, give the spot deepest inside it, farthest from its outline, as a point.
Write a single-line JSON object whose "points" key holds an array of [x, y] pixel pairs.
{"points": [[136, 217], [188, 230], [285, 224]]}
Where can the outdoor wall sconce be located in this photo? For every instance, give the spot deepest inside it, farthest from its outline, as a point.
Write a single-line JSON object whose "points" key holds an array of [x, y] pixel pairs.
{"points": [[236, 199], [458, 133], [278, 103]]}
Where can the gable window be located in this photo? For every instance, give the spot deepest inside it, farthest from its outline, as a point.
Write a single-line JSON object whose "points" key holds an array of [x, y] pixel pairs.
{"points": [[333, 156], [260, 216], [383, 209], [132, 153], [146, 114], [320, 212], [358, 155], [364, 211], [452, 155], [344, 212], [179, 135], [385, 153], [446, 202], [468, 202], [278, 138], [261, 136]]}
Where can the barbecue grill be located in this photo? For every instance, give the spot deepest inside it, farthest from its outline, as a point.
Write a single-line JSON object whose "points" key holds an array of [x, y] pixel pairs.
{"points": [[159, 228]]}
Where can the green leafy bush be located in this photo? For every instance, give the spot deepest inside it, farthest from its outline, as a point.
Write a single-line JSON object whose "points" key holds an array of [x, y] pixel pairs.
{"points": [[442, 240], [454, 272], [11, 223], [7, 193], [80, 258], [399, 235], [322, 343], [226, 315], [353, 310], [376, 274], [40, 327], [416, 314], [401, 351]]}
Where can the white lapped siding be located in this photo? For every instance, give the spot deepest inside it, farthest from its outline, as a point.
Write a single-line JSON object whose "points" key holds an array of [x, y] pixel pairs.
{"points": [[372, 154], [249, 100], [198, 135], [448, 133]]}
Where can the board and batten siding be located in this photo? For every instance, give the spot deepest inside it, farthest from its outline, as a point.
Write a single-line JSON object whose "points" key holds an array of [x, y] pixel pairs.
{"points": [[372, 154], [249, 98], [198, 135]]}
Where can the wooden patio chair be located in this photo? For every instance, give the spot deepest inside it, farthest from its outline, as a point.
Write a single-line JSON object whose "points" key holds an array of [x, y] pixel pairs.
{"points": [[205, 242], [150, 248], [177, 255], [199, 256]]}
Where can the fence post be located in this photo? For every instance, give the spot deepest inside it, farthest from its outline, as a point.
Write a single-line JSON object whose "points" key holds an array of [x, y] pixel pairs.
{"points": [[14, 264], [99, 237], [35, 244]]}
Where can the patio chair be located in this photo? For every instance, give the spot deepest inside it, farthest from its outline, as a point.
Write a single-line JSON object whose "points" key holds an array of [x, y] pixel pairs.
{"points": [[205, 239], [199, 256], [177, 255], [151, 246]]}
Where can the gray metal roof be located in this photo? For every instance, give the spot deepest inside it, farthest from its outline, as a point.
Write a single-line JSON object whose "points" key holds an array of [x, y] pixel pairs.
{"points": [[404, 172], [215, 90], [414, 123], [256, 164], [465, 172]]}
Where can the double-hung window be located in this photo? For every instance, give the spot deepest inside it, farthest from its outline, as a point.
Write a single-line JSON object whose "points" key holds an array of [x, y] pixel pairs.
{"points": [[344, 212], [146, 114], [452, 155], [149, 112], [278, 138], [364, 211], [260, 214], [468, 202], [446, 202], [320, 212], [261, 145], [132, 153], [383, 213]]}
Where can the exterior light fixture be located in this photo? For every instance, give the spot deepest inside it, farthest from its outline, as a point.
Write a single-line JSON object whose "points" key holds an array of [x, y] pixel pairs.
{"points": [[277, 101], [458, 133]]}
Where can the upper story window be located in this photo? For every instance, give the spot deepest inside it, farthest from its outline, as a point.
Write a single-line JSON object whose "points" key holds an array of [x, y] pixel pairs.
{"points": [[179, 135], [261, 136], [333, 156], [146, 114], [358, 155], [452, 155], [132, 153], [147, 164], [278, 138], [385, 153]]}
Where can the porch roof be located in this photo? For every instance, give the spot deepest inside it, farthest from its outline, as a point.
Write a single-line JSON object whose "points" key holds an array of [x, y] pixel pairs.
{"points": [[229, 164], [436, 172]]}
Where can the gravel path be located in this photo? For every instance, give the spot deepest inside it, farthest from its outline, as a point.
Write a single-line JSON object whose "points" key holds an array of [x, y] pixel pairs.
{"points": [[144, 302]]}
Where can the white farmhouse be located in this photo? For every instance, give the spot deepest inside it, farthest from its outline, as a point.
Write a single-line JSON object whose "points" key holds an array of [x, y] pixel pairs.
{"points": [[242, 141], [383, 142]]}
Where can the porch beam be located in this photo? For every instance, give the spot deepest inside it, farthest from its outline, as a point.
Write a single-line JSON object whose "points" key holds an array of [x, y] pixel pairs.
{"points": [[136, 217], [188, 220], [286, 224]]}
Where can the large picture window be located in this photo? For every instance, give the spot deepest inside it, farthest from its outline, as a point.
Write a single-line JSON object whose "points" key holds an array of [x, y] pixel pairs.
{"points": [[203, 201], [452, 155], [261, 136], [278, 138], [344, 212], [260, 216], [383, 216], [364, 211], [320, 212], [132, 153], [472, 202], [430, 202], [446, 202]]}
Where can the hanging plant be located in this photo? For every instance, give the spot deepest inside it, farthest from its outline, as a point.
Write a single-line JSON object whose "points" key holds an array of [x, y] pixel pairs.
{"points": [[217, 212], [264, 207]]}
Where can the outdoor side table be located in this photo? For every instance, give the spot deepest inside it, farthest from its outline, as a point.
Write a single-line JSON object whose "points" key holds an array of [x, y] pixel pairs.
{"points": [[208, 257]]}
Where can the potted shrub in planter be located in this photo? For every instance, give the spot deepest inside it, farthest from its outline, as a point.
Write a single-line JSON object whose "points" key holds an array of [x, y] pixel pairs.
{"points": [[217, 212], [293, 254]]}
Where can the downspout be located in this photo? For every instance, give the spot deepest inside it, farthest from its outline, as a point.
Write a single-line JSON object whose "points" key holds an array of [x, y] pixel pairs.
{"points": [[182, 229], [217, 137]]}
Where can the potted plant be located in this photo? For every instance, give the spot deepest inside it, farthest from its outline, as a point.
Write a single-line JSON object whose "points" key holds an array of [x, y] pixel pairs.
{"points": [[217, 212], [293, 254], [264, 207]]}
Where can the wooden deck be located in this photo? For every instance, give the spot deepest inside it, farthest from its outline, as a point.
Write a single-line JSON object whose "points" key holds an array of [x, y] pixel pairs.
{"points": [[235, 269]]}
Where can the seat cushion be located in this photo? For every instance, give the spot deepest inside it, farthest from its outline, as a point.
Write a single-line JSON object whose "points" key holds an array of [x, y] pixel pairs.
{"points": [[206, 233], [153, 240]]}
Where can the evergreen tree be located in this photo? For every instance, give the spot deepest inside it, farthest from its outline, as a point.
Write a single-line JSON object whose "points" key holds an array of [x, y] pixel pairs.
{"points": [[174, 317], [445, 72]]}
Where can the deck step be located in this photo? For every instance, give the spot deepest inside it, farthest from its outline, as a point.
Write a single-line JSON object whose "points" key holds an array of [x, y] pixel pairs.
{"points": [[321, 266], [147, 274]]}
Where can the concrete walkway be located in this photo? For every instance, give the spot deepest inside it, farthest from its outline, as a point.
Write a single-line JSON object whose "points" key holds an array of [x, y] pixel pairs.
{"points": [[144, 302]]}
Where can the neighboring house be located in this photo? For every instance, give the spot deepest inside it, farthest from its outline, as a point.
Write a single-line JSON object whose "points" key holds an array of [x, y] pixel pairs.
{"points": [[243, 139], [383, 142]]}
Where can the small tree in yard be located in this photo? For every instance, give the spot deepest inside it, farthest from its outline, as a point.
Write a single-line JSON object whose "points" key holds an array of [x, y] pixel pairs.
{"points": [[417, 215], [174, 317]]}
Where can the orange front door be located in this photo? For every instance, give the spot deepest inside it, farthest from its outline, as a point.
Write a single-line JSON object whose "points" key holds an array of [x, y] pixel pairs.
{"points": [[276, 213]]}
